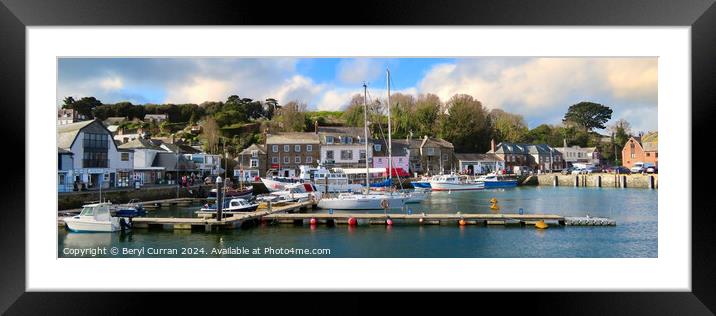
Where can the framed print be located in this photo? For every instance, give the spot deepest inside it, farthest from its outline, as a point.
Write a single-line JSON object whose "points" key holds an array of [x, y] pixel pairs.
{"points": [[503, 147]]}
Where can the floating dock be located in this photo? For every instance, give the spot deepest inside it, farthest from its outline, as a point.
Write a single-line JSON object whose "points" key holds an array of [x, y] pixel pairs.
{"points": [[427, 219]]}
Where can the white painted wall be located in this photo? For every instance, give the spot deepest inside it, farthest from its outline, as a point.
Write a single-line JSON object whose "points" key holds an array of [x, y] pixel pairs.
{"points": [[356, 148]]}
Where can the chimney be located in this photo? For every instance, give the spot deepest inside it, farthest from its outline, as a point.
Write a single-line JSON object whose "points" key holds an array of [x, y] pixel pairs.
{"points": [[565, 142], [315, 126], [492, 145]]}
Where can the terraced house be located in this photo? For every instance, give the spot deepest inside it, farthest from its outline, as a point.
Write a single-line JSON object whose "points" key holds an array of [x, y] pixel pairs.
{"points": [[344, 147], [641, 149], [537, 156], [287, 151]]}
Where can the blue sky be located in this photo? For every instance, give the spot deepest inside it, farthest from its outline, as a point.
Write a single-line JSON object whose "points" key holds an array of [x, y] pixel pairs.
{"points": [[540, 89]]}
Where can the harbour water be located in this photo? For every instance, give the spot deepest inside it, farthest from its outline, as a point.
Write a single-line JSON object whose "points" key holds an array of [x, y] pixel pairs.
{"points": [[635, 236]]}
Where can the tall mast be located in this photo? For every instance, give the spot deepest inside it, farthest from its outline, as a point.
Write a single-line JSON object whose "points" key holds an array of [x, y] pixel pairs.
{"points": [[390, 142], [365, 130]]}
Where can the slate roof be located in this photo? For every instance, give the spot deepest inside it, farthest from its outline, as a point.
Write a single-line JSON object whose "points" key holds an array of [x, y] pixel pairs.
{"points": [[292, 138], [338, 131], [247, 150], [67, 133], [140, 143], [169, 162], [476, 157], [64, 151]]}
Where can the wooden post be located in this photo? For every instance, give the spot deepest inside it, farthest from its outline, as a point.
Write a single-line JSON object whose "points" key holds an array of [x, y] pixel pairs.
{"points": [[555, 181], [599, 181], [651, 182], [576, 181], [624, 182]]}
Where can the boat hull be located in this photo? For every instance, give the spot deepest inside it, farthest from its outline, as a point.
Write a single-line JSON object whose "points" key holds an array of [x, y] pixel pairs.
{"points": [[361, 204], [500, 184], [437, 186], [79, 225], [421, 184]]}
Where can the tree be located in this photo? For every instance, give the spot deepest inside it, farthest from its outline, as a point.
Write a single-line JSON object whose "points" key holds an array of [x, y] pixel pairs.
{"points": [[83, 106], [427, 114], [466, 124], [211, 134], [353, 114], [588, 115], [291, 117], [509, 127], [68, 102], [270, 108]]}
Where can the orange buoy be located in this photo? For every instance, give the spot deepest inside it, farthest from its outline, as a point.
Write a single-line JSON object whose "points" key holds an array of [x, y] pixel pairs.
{"points": [[462, 222], [313, 221], [389, 222], [352, 221], [541, 225]]}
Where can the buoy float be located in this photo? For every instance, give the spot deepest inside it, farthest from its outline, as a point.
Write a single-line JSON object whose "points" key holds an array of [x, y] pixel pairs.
{"points": [[313, 221], [389, 222], [541, 225], [462, 222], [420, 220], [494, 206], [352, 221]]}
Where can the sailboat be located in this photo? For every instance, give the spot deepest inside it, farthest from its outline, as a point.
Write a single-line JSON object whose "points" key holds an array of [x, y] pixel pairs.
{"points": [[365, 200]]}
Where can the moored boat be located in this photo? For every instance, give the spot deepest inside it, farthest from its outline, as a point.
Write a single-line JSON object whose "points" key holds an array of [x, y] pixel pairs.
{"points": [[234, 205], [454, 183], [96, 218], [350, 201], [493, 181]]}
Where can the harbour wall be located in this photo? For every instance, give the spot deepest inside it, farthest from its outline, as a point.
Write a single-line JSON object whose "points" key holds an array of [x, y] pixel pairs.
{"points": [[605, 180], [72, 200]]}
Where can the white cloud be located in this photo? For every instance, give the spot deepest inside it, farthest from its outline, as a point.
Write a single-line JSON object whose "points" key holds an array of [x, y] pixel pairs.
{"points": [[198, 90], [111, 83], [358, 70], [543, 88]]}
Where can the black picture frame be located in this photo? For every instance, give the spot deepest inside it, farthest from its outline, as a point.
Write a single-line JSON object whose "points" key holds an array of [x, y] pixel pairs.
{"points": [[16, 15]]}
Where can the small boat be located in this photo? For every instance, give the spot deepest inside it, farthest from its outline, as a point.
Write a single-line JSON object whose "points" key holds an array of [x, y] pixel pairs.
{"points": [[350, 201], [244, 193], [494, 181], [298, 192], [234, 205], [97, 218], [275, 184], [455, 183], [423, 183], [133, 208]]}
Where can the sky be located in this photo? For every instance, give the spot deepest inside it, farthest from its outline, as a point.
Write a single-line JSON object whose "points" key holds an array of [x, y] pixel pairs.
{"points": [[539, 89]]}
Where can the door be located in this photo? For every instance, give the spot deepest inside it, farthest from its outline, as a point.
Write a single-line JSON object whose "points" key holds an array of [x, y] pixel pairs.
{"points": [[111, 179]]}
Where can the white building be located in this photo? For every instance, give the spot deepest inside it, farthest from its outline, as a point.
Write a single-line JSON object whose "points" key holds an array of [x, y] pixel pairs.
{"points": [[344, 147], [145, 153], [96, 160], [580, 155]]}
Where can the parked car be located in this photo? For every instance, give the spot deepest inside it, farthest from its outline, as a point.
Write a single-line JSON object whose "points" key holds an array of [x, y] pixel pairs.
{"points": [[577, 171], [568, 170], [652, 169], [592, 169], [619, 169], [638, 167]]}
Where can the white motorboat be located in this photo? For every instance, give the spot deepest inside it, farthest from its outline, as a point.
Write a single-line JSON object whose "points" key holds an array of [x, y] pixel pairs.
{"points": [[96, 218], [351, 201], [334, 181], [416, 196], [300, 192], [276, 184], [232, 206], [454, 183]]}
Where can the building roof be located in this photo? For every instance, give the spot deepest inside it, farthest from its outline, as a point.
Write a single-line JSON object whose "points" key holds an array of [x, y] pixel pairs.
{"points": [[180, 148], [400, 147], [523, 149], [436, 142], [650, 141], [114, 120], [292, 138], [169, 162], [140, 143], [476, 157], [67, 133], [248, 150], [337, 131], [63, 151]]}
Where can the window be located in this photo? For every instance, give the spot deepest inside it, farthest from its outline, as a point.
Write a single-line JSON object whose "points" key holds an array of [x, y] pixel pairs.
{"points": [[430, 151], [309, 159], [632, 155], [255, 163], [648, 154], [656, 155], [274, 148], [125, 156], [254, 153], [362, 154], [349, 140], [286, 148], [445, 157], [329, 139], [329, 154], [274, 159], [380, 160], [377, 147], [297, 159], [297, 148], [95, 150], [62, 179], [346, 155], [309, 148], [286, 159]]}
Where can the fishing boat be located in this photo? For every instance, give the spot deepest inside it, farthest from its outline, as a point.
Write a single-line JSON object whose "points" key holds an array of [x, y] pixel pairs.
{"points": [[275, 184], [235, 205], [455, 183], [494, 181], [97, 218]]}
